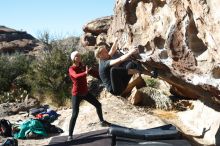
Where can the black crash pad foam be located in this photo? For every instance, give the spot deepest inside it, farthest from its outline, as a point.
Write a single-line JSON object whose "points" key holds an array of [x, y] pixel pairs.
{"points": [[153, 143], [93, 138], [165, 132]]}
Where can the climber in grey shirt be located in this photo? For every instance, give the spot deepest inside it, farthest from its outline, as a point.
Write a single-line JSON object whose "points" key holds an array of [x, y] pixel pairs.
{"points": [[115, 77]]}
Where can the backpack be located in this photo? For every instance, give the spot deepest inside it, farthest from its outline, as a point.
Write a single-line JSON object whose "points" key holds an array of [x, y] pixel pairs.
{"points": [[5, 128], [10, 142]]}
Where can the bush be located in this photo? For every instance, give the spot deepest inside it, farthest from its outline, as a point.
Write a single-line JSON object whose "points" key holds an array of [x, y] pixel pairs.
{"points": [[13, 67], [15, 95], [49, 75], [151, 82], [88, 58]]}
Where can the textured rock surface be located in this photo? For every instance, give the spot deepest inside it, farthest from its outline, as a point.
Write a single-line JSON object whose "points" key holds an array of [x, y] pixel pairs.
{"points": [[152, 97], [181, 40], [95, 32], [16, 107], [100, 25], [205, 127], [18, 41]]}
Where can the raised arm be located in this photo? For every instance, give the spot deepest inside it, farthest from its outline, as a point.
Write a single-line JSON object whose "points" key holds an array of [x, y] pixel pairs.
{"points": [[123, 57], [113, 48]]}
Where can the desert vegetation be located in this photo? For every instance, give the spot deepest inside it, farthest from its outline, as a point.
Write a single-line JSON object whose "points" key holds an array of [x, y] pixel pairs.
{"points": [[44, 76]]}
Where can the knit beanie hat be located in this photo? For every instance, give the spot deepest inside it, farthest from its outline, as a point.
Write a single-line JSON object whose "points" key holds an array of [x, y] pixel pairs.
{"points": [[73, 54]]}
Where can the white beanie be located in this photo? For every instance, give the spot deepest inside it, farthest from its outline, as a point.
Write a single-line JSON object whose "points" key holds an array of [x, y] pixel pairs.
{"points": [[73, 54]]}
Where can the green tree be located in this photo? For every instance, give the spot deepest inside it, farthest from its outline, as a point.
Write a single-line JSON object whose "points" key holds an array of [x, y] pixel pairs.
{"points": [[50, 75], [88, 58], [12, 69]]}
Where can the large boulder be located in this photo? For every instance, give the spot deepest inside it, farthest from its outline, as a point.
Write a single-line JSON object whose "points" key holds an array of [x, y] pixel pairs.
{"points": [[97, 26], [88, 40], [150, 97], [16, 107], [95, 32], [178, 39]]}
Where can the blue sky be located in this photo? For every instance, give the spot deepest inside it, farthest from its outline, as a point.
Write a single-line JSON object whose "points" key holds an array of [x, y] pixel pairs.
{"points": [[58, 17]]}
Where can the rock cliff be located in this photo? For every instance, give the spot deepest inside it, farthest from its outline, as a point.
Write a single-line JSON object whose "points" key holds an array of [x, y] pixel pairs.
{"points": [[180, 39], [18, 41]]}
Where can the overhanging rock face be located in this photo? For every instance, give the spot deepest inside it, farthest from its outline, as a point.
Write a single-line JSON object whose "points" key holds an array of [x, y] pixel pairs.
{"points": [[179, 38]]}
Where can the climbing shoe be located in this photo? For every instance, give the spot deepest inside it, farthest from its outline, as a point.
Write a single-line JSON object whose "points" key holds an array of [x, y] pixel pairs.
{"points": [[105, 124], [69, 138], [154, 73], [140, 67]]}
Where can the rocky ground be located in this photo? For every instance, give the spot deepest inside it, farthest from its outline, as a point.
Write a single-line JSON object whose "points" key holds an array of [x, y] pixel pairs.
{"points": [[116, 110]]}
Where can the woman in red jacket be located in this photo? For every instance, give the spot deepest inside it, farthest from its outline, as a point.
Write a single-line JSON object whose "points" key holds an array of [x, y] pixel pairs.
{"points": [[78, 73]]}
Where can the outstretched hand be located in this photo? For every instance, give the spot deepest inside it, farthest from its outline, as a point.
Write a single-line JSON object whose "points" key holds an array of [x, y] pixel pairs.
{"points": [[134, 50], [88, 69]]}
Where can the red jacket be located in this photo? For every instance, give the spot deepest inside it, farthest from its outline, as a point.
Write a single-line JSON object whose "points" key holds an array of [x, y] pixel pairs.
{"points": [[79, 80]]}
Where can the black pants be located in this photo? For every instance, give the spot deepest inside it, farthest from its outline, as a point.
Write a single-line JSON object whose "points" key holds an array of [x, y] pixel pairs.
{"points": [[75, 105], [120, 78]]}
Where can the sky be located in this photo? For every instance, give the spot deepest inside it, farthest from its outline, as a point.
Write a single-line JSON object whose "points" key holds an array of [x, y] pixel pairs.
{"points": [[58, 17]]}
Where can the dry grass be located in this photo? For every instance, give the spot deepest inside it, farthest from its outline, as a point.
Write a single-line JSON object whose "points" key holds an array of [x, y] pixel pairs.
{"points": [[168, 115]]}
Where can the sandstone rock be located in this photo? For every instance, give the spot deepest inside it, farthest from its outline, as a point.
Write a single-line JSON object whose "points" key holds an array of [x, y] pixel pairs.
{"points": [[179, 39], [135, 98], [206, 132], [100, 25], [153, 98], [95, 32], [19, 41], [101, 38], [136, 81], [88, 39], [14, 108]]}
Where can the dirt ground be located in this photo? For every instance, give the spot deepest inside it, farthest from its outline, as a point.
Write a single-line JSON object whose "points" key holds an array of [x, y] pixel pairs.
{"points": [[116, 110]]}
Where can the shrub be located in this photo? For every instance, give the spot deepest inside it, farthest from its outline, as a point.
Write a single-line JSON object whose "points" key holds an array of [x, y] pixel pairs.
{"points": [[88, 58], [46, 75], [13, 67], [15, 95], [151, 82], [49, 75]]}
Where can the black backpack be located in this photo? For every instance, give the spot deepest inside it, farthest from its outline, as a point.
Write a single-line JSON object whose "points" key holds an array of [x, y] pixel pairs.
{"points": [[5, 128], [10, 142]]}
